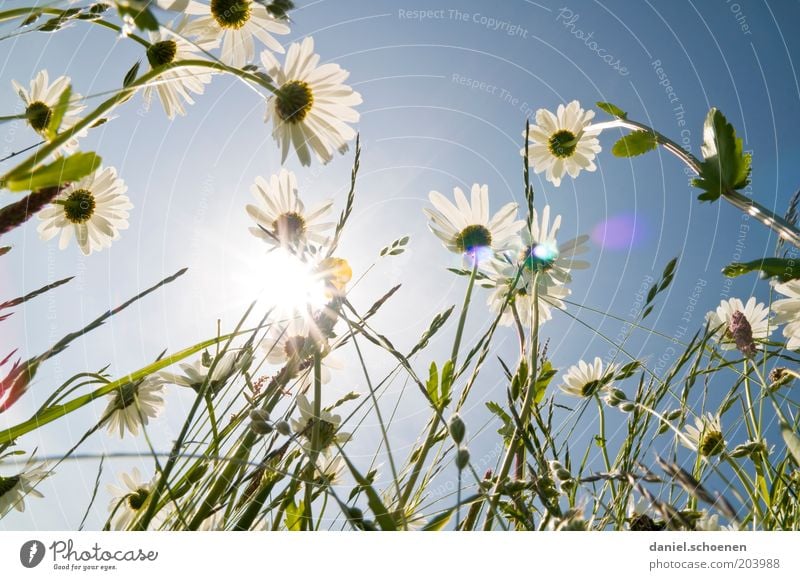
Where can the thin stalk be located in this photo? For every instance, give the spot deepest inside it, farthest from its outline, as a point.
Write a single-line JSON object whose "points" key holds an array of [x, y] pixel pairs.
{"points": [[525, 415], [315, 434], [428, 443], [462, 320], [602, 416], [121, 96], [745, 204]]}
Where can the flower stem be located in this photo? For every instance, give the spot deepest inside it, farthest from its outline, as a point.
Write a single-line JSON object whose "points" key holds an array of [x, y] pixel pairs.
{"points": [[122, 96], [462, 320], [315, 442], [603, 449], [747, 205], [524, 416]]}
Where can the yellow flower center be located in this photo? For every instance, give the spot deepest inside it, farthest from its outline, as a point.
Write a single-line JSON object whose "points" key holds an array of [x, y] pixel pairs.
{"points": [[473, 237], [289, 227], [161, 53], [293, 101], [137, 498], [79, 206], [562, 143], [231, 14], [38, 115], [711, 443]]}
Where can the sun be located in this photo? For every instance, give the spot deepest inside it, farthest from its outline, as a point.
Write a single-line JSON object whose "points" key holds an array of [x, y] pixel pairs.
{"points": [[288, 284]]}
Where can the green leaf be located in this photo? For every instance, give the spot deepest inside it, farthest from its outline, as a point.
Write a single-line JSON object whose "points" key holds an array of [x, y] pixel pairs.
{"points": [[432, 386], [447, 382], [131, 75], [60, 171], [783, 270], [633, 144], [546, 374], [4, 250], [792, 441], [612, 109], [628, 370], [507, 430], [142, 17], [294, 517], [725, 166], [439, 522], [58, 113]]}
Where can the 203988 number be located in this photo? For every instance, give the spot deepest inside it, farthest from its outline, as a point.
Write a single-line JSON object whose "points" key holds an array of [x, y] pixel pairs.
{"points": [[758, 563]]}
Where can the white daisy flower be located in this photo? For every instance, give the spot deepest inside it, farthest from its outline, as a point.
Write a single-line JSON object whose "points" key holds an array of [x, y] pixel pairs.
{"points": [[550, 297], [133, 405], [563, 143], [330, 468], [787, 311], [411, 515], [740, 325], [14, 489], [94, 208], [705, 437], [329, 426], [128, 500], [237, 24], [466, 228], [40, 102], [175, 86], [640, 516], [280, 216], [297, 342], [312, 107], [195, 373], [587, 380], [540, 257], [710, 523]]}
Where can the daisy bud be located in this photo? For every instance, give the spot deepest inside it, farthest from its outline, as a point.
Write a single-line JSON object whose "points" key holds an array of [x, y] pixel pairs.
{"points": [[457, 429], [261, 427], [749, 449], [462, 458], [779, 377], [619, 395], [627, 407], [355, 514], [742, 334], [283, 428], [259, 415], [674, 414]]}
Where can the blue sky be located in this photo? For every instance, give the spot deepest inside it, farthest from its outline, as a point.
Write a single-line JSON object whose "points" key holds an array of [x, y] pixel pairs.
{"points": [[445, 103]]}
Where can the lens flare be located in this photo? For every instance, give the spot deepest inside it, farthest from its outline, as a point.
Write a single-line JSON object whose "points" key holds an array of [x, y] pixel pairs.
{"points": [[620, 232], [290, 285]]}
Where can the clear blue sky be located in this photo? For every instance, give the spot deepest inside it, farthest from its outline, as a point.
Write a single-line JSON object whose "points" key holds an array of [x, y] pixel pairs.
{"points": [[445, 103]]}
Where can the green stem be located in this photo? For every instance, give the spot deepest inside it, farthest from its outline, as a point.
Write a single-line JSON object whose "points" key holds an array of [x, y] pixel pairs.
{"points": [[315, 442], [418, 464], [526, 410], [428, 443], [123, 95], [745, 204], [462, 320], [602, 415]]}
